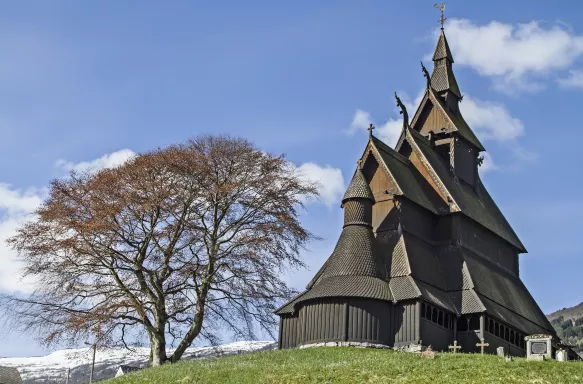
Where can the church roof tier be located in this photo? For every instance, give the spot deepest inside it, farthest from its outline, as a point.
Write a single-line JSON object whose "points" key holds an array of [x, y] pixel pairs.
{"points": [[411, 184], [355, 254], [474, 202], [342, 286]]}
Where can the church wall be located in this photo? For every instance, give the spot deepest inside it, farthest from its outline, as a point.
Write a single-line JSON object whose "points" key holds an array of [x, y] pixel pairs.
{"points": [[484, 243], [468, 340], [438, 337], [416, 220], [288, 331], [434, 121], [369, 321], [385, 216], [464, 161], [406, 320], [322, 320]]}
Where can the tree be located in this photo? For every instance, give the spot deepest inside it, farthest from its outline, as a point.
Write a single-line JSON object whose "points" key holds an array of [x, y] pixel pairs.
{"points": [[174, 244]]}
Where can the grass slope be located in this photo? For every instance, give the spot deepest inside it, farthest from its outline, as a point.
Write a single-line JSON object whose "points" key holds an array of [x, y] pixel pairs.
{"points": [[356, 365]]}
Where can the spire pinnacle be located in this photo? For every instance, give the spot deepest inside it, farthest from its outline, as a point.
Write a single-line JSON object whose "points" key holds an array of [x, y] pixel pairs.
{"points": [[442, 78]]}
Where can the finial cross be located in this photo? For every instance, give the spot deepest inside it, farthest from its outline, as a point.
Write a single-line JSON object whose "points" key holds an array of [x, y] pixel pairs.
{"points": [[482, 345], [454, 347], [441, 8], [369, 129]]}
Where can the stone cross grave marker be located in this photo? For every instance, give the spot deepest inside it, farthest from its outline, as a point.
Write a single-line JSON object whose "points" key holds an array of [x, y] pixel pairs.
{"points": [[500, 351], [538, 347], [454, 347], [482, 345]]}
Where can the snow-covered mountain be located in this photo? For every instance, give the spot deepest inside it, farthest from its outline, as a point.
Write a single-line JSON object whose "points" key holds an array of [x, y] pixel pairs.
{"points": [[53, 367]]}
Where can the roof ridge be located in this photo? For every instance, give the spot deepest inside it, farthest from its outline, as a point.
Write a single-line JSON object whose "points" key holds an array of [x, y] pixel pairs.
{"points": [[390, 151]]}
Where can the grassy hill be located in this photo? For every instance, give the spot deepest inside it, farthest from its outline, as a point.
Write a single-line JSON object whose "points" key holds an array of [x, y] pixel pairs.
{"points": [[356, 365]]}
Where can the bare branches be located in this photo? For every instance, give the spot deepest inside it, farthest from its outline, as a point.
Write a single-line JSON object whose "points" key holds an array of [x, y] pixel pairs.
{"points": [[177, 242]]}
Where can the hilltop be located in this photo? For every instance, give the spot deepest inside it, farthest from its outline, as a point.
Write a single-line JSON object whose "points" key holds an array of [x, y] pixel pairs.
{"points": [[356, 365], [568, 322]]}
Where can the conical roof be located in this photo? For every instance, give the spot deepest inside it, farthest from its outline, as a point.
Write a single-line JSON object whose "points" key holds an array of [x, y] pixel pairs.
{"points": [[358, 188], [442, 50], [442, 78]]}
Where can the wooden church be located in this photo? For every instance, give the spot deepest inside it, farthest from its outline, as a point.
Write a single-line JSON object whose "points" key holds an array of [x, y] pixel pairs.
{"points": [[425, 255]]}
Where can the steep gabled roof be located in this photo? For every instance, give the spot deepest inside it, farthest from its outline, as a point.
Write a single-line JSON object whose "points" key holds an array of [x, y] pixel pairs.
{"points": [[410, 183], [455, 120], [475, 203]]}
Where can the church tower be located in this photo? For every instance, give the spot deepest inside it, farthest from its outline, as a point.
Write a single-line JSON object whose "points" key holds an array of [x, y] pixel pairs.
{"points": [[425, 255]]}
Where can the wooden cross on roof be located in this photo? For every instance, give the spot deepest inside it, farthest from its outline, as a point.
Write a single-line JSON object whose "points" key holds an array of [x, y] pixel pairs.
{"points": [[441, 8], [369, 129], [482, 345], [454, 347]]}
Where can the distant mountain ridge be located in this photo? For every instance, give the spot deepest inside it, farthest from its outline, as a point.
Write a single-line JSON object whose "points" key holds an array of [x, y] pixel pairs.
{"points": [[52, 368], [568, 322]]}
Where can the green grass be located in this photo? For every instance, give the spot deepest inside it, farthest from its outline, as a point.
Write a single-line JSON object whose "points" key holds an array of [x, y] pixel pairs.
{"points": [[356, 365]]}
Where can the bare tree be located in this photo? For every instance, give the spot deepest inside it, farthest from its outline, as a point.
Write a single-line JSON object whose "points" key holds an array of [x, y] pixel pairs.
{"points": [[176, 243]]}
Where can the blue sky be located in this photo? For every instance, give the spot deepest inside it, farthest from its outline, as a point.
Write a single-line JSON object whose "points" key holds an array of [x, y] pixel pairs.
{"points": [[88, 83]]}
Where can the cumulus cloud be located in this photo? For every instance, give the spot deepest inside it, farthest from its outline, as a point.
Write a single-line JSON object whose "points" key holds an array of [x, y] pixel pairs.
{"points": [[109, 160], [390, 130], [488, 164], [16, 206], [573, 80], [517, 56], [329, 179], [490, 121]]}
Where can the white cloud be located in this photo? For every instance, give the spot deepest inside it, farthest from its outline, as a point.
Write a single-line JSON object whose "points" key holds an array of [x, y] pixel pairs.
{"points": [[390, 130], [517, 56], [330, 180], [110, 160], [16, 206], [490, 121], [488, 164], [574, 80]]}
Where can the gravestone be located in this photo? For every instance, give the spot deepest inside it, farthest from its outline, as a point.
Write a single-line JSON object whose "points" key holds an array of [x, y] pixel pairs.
{"points": [[561, 355], [538, 347], [500, 351]]}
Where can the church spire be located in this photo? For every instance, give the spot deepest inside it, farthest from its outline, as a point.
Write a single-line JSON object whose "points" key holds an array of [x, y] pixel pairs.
{"points": [[442, 78]]}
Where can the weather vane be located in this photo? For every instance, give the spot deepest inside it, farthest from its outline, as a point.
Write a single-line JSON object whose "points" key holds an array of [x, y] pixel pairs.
{"points": [[441, 8]]}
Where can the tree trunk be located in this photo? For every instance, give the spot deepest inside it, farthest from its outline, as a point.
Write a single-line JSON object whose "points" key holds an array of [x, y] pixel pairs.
{"points": [[158, 349]]}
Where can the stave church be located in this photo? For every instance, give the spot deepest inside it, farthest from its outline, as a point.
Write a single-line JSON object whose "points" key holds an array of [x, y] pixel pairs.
{"points": [[425, 256]]}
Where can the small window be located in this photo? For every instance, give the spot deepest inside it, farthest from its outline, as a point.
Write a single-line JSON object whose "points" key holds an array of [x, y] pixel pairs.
{"points": [[491, 326], [506, 334], [440, 318], [446, 321], [434, 315], [512, 340], [496, 329], [428, 312], [423, 310]]}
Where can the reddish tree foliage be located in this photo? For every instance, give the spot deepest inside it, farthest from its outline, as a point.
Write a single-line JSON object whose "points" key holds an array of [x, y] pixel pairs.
{"points": [[176, 243]]}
